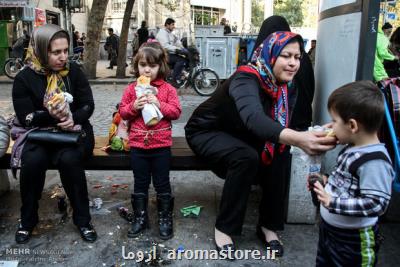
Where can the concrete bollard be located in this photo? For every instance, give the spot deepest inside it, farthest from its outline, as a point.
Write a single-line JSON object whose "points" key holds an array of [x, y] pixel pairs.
{"points": [[300, 206]]}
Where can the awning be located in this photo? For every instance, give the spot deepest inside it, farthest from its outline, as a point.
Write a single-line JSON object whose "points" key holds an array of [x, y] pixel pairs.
{"points": [[222, 4], [14, 3]]}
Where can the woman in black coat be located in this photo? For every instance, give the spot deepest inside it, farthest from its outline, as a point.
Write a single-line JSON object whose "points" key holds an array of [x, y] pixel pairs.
{"points": [[49, 74], [243, 131]]}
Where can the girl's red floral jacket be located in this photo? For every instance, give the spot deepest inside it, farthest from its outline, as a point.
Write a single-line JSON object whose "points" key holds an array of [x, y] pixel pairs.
{"points": [[159, 135]]}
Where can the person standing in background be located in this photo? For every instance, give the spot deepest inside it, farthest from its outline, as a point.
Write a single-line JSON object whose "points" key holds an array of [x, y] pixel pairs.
{"points": [[143, 33], [111, 46], [382, 52], [311, 52]]}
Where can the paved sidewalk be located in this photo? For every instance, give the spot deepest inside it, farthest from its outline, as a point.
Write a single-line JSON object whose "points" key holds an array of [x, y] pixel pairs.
{"points": [[56, 241], [103, 75]]}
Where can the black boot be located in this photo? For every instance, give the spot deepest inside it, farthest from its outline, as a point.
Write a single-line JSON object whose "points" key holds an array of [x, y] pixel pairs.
{"points": [[165, 205], [140, 215]]}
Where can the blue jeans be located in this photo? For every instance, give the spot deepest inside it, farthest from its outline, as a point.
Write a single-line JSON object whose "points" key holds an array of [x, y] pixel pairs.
{"points": [[148, 163]]}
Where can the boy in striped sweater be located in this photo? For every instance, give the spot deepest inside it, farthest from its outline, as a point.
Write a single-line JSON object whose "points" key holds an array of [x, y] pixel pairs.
{"points": [[359, 189]]}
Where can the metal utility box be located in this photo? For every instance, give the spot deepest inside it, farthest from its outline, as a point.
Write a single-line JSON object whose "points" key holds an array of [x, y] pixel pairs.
{"points": [[4, 34], [219, 53], [3, 44], [209, 31]]}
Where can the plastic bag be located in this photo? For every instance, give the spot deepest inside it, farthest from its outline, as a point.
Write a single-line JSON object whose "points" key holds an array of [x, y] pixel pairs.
{"points": [[151, 113]]}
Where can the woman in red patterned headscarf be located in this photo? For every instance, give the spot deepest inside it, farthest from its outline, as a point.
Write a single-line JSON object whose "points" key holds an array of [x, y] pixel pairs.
{"points": [[242, 130]]}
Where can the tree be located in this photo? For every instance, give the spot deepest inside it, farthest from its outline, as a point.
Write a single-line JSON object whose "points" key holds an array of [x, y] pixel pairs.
{"points": [[123, 39], [291, 10], [94, 29], [310, 13], [257, 13]]}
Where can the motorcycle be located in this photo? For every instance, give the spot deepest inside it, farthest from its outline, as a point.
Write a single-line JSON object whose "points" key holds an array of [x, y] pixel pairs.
{"points": [[14, 65], [204, 80]]}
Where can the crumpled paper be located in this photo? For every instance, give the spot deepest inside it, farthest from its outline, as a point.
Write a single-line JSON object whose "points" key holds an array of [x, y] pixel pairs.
{"points": [[193, 210], [151, 113]]}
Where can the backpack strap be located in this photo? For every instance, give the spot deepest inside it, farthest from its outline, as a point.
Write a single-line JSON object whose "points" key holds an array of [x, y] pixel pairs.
{"points": [[360, 161]]}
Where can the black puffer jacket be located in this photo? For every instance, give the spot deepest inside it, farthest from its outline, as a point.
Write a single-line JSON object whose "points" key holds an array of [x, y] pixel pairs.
{"points": [[28, 92], [239, 107]]}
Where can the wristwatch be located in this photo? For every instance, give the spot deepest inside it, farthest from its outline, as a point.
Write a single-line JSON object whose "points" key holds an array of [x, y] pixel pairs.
{"points": [[28, 119]]}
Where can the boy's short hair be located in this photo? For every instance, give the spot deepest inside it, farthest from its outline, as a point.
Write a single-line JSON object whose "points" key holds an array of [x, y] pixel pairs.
{"points": [[361, 101], [169, 21], [153, 53]]}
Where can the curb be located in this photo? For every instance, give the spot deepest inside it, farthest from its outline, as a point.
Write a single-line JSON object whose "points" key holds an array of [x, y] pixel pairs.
{"points": [[92, 82]]}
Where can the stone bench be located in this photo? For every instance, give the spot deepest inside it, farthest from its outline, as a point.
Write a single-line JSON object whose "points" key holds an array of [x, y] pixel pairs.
{"points": [[300, 208]]}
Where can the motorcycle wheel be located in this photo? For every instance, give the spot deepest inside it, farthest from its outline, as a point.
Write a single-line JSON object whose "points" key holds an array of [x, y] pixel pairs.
{"points": [[12, 67], [205, 82]]}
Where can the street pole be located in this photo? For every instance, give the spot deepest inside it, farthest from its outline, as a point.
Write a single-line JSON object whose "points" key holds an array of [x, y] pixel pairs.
{"points": [[65, 18], [268, 8], [384, 12], [69, 25]]}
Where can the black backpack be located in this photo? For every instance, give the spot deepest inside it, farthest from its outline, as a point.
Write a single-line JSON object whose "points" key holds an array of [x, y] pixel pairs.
{"points": [[360, 161]]}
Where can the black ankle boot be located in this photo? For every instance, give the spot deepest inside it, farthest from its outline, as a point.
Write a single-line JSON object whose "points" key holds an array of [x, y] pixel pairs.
{"points": [[165, 205], [140, 216]]}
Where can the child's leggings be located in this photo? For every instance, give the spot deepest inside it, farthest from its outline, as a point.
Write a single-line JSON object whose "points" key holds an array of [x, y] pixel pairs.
{"points": [[148, 163], [347, 247]]}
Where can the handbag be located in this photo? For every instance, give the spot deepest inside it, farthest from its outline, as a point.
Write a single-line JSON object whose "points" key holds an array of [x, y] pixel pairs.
{"points": [[55, 137]]}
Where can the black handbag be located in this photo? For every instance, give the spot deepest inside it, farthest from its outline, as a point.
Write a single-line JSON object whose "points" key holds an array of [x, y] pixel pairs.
{"points": [[55, 137]]}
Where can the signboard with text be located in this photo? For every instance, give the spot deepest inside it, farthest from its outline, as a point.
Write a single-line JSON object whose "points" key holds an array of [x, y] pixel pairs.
{"points": [[40, 17], [14, 3]]}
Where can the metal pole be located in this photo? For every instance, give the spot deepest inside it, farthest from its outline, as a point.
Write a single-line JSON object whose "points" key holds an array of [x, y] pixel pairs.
{"points": [[69, 26], [65, 18], [384, 12], [268, 8]]}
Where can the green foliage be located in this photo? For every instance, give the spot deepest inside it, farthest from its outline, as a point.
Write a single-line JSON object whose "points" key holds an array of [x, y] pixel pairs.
{"points": [[291, 10], [257, 12]]}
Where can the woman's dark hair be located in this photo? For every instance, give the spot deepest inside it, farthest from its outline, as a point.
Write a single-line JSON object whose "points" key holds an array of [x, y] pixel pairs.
{"points": [[298, 39], [59, 35], [361, 101], [153, 53]]}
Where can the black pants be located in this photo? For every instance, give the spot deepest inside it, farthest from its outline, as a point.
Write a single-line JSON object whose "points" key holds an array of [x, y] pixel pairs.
{"points": [[35, 160], [347, 247], [239, 163], [178, 63], [147, 163], [113, 56]]}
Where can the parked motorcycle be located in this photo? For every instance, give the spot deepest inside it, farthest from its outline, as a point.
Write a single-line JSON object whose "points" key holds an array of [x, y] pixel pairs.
{"points": [[14, 65]]}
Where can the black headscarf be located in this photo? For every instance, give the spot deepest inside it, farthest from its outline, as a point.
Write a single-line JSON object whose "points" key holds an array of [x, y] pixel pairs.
{"points": [[270, 25], [303, 81]]}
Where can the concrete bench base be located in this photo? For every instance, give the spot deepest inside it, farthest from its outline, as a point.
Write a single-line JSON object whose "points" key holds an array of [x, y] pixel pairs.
{"points": [[300, 206]]}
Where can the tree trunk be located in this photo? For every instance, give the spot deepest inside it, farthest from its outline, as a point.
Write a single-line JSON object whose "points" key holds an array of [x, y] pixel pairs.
{"points": [[123, 39], [94, 29]]}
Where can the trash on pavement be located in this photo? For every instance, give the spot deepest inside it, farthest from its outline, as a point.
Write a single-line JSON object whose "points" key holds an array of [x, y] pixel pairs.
{"points": [[193, 211], [124, 213], [96, 203]]}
